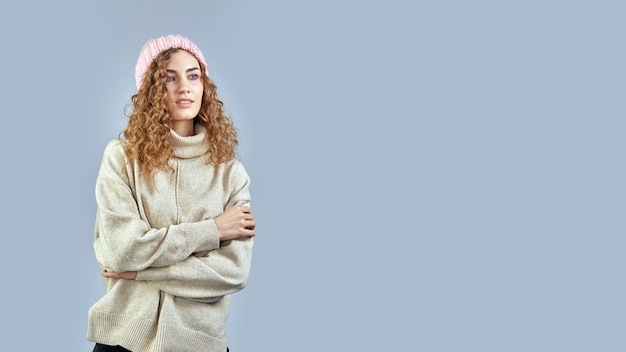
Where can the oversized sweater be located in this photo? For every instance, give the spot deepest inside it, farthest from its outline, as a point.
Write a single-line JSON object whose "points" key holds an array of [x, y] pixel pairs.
{"points": [[163, 227]]}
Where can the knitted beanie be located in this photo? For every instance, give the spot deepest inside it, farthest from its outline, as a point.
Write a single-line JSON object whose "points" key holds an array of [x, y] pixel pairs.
{"points": [[154, 47]]}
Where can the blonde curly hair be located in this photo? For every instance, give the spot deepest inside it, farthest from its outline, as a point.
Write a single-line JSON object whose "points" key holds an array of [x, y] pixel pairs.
{"points": [[149, 122]]}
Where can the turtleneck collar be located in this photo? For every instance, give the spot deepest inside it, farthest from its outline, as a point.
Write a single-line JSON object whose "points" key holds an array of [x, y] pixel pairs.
{"points": [[192, 146]]}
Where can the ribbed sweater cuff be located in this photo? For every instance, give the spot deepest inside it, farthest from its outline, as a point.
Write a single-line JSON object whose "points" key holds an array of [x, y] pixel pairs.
{"points": [[202, 236]]}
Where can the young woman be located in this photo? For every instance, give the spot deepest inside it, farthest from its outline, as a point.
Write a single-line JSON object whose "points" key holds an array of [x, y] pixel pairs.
{"points": [[174, 229]]}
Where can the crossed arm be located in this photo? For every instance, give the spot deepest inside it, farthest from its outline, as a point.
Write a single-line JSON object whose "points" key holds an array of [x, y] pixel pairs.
{"points": [[201, 278], [208, 275], [236, 223]]}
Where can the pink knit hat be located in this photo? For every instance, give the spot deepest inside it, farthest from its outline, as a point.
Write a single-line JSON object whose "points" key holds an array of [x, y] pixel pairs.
{"points": [[154, 47]]}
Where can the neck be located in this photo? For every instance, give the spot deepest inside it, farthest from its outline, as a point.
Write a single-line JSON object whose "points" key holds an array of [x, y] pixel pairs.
{"points": [[183, 128]]}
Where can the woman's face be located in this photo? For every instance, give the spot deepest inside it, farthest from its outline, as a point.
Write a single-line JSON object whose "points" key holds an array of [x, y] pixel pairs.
{"points": [[184, 87]]}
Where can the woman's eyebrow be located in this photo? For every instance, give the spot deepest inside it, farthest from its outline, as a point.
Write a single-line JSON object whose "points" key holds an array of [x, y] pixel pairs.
{"points": [[188, 70]]}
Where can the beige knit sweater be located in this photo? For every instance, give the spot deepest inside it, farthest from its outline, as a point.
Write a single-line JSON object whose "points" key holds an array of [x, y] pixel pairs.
{"points": [[163, 228]]}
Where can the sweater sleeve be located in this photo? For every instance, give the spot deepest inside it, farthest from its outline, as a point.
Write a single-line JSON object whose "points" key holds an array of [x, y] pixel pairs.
{"points": [[205, 278], [123, 240], [208, 276]]}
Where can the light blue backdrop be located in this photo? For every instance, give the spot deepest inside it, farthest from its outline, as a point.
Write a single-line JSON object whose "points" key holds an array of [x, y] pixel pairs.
{"points": [[427, 175]]}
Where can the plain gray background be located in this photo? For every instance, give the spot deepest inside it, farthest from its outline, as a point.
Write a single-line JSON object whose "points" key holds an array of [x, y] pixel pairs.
{"points": [[426, 175]]}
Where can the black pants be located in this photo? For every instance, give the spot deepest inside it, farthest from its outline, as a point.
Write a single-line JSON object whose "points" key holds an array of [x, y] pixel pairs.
{"points": [[106, 348]]}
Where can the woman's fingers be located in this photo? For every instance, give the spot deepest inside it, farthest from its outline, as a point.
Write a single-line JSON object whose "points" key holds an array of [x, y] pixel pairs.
{"points": [[235, 223]]}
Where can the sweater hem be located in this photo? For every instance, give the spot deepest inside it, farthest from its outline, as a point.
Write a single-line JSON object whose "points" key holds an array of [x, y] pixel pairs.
{"points": [[139, 335]]}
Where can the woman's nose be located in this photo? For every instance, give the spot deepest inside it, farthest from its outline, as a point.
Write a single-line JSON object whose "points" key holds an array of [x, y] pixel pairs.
{"points": [[184, 87]]}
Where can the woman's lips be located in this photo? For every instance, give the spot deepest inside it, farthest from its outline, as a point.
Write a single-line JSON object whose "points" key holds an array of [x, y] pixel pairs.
{"points": [[184, 103]]}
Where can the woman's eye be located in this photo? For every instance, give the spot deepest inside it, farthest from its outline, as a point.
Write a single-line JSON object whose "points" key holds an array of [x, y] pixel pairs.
{"points": [[194, 76], [169, 78]]}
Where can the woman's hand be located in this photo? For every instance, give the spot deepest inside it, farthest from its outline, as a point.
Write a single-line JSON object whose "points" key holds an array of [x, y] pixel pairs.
{"points": [[235, 223], [128, 275]]}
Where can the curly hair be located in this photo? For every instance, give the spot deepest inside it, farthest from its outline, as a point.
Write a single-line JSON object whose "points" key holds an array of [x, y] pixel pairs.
{"points": [[149, 122]]}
